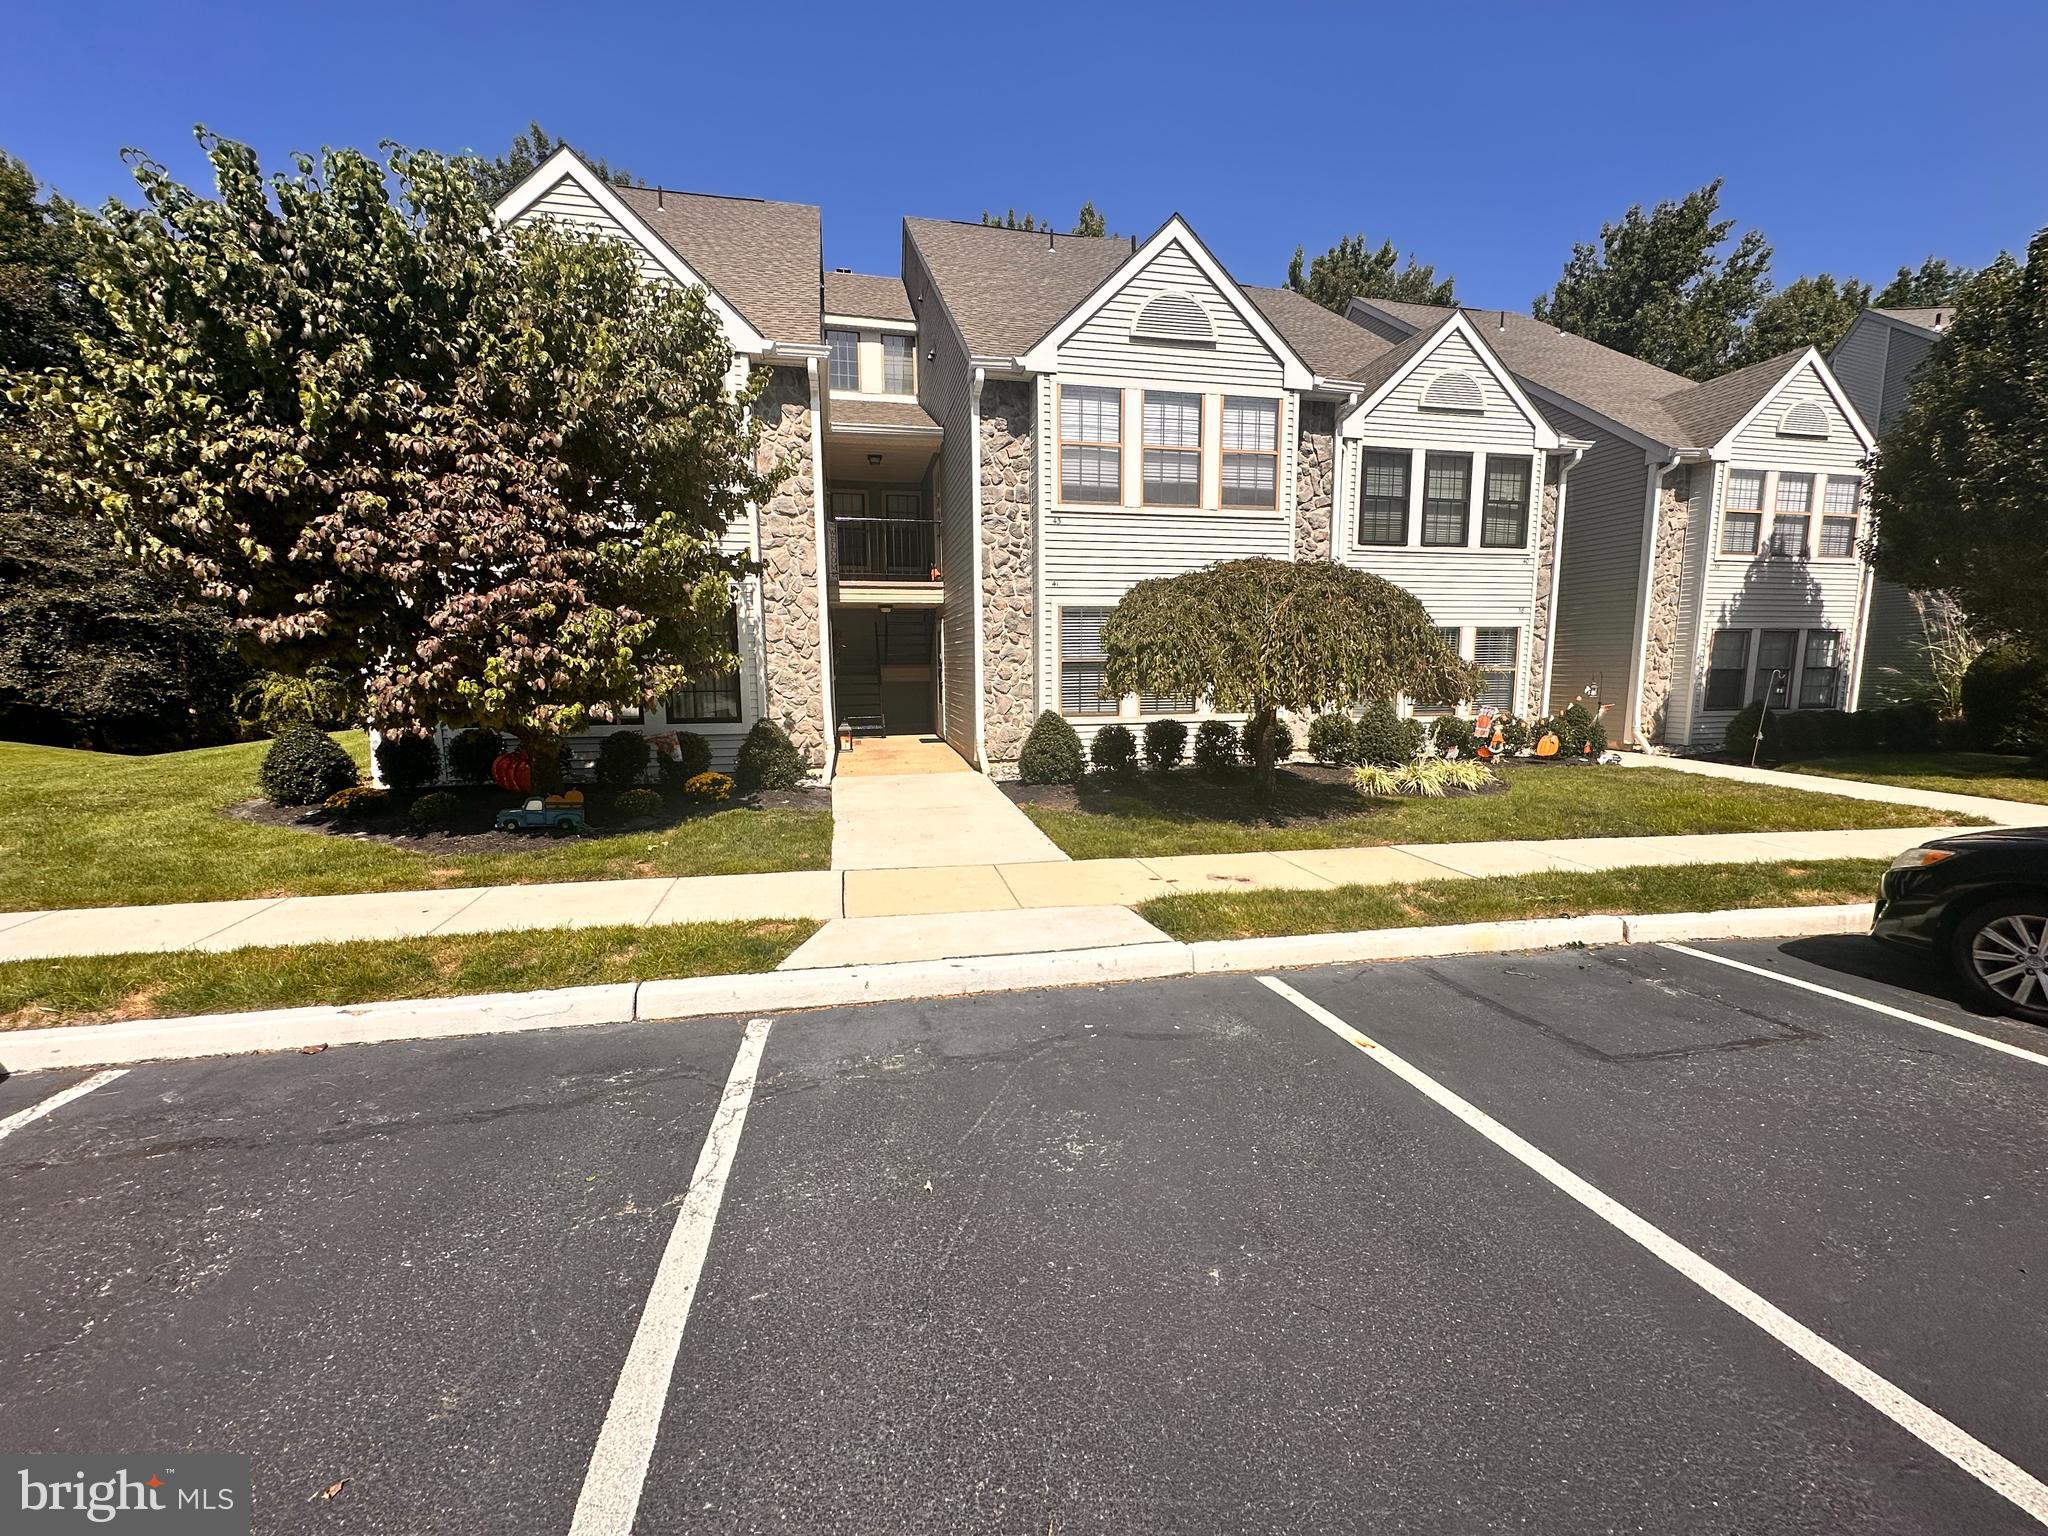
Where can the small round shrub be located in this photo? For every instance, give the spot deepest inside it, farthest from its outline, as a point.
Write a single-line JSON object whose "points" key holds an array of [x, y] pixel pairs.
{"points": [[1114, 750], [357, 802], [769, 760], [692, 757], [1738, 737], [470, 754], [2005, 700], [636, 804], [408, 760], [622, 759], [304, 766], [708, 786], [1514, 734], [1283, 741], [1052, 752], [1384, 738], [432, 813], [1451, 733], [1332, 739], [1215, 748], [1166, 743]]}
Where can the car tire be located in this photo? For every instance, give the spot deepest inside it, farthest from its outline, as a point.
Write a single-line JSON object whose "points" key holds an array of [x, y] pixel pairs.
{"points": [[2001, 953]]}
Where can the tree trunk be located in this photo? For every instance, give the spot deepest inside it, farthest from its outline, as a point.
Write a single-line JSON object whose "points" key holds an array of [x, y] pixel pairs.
{"points": [[1259, 734]]}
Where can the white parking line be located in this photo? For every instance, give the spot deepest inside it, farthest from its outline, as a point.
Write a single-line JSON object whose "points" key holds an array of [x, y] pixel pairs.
{"points": [[1863, 1002], [1994, 1471], [618, 1466], [21, 1117]]}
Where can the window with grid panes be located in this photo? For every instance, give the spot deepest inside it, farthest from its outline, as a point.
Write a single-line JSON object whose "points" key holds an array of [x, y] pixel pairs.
{"points": [[1493, 652], [1820, 673], [708, 698], [1742, 520], [1251, 452], [1792, 515], [1383, 498], [1727, 666], [1173, 449], [843, 369], [899, 364], [1838, 507], [1776, 651], [1091, 443], [1081, 663], [1446, 497], [1504, 519], [1454, 637]]}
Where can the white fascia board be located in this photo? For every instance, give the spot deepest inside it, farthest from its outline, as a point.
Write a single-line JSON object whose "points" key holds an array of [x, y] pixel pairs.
{"points": [[1548, 439], [566, 164], [1043, 357], [867, 323], [1810, 357]]}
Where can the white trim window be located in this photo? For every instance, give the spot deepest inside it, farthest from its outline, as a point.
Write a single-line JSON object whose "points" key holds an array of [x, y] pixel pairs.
{"points": [[1383, 496], [1742, 522], [1820, 670], [1792, 516], [1777, 653], [1172, 446], [1727, 668], [1446, 499], [1082, 662], [1452, 635], [1504, 518], [708, 700], [1251, 452], [1839, 506], [843, 368], [899, 364], [1494, 653], [1091, 443]]}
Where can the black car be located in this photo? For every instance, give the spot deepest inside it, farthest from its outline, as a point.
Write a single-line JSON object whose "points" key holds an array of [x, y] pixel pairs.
{"points": [[1981, 900]]}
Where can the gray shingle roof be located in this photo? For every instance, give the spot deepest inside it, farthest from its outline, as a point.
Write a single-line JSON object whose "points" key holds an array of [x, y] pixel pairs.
{"points": [[850, 411], [866, 297], [1708, 411], [1923, 318], [764, 258], [1005, 288], [1328, 343]]}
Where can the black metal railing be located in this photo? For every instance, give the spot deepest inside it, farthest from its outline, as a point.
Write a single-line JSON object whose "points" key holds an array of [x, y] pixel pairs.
{"points": [[887, 548]]}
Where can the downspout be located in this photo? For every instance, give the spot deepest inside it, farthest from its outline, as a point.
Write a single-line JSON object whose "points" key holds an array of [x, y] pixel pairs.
{"points": [[1652, 515], [824, 589], [1564, 480], [974, 519]]}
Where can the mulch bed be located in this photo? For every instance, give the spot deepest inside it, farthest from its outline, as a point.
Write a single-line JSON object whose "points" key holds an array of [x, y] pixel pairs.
{"points": [[474, 832], [1305, 793]]}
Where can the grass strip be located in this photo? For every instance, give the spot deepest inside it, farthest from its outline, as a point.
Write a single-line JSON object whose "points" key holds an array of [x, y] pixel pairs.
{"points": [[1427, 903], [1995, 774], [97, 989]]}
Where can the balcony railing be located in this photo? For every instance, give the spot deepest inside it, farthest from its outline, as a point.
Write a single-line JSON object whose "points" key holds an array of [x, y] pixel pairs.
{"points": [[887, 548]]}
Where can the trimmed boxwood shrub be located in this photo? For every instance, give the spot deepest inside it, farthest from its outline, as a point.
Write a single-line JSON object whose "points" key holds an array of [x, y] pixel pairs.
{"points": [[1332, 739], [433, 813], [2005, 701], [408, 760], [1215, 748], [1114, 750], [304, 766], [1514, 734], [1384, 738], [633, 804], [622, 759], [1052, 752], [1451, 733], [768, 760], [1283, 741], [1166, 743], [470, 754], [357, 802]]}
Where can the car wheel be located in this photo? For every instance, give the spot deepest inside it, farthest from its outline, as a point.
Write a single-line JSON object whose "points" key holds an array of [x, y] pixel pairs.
{"points": [[2001, 952]]}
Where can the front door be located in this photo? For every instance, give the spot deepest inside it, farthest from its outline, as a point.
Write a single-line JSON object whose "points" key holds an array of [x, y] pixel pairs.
{"points": [[906, 655]]}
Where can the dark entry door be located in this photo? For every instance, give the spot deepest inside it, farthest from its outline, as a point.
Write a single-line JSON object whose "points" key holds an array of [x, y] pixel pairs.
{"points": [[905, 646]]}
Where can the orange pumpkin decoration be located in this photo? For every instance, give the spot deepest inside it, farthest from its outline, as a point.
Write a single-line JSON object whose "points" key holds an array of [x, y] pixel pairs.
{"points": [[512, 772], [1547, 745]]}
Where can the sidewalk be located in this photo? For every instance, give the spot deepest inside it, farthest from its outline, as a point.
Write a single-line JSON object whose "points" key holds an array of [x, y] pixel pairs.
{"points": [[1035, 883], [2003, 813]]}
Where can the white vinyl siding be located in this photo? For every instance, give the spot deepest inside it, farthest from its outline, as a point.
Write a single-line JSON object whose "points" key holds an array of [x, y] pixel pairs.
{"points": [[1237, 359]]}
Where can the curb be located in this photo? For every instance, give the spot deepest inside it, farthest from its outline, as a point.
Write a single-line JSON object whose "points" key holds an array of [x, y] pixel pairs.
{"points": [[290, 1029]]}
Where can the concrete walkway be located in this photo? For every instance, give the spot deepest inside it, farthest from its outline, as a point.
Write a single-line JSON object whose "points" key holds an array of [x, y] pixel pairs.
{"points": [[2003, 813], [928, 819]]}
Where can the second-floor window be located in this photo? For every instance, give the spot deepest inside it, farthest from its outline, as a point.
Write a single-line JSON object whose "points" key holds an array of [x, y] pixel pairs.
{"points": [[1173, 449], [844, 369], [1091, 443], [1792, 515], [899, 365], [1504, 523], [1743, 521], [1838, 517], [1446, 498], [1251, 452], [1383, 498]]}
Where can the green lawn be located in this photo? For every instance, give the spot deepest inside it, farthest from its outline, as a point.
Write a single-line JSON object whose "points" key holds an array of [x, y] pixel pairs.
{"points": [[86, 829], [1954, 773], [1183, 813], [98, 988], [1686, 888]]}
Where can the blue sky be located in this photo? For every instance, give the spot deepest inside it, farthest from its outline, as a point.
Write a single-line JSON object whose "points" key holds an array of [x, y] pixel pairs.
{"points": [[1486, 137]]}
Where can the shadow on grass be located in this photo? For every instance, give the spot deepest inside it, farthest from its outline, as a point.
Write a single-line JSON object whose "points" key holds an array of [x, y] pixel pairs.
{"points": [[1299, 796]]}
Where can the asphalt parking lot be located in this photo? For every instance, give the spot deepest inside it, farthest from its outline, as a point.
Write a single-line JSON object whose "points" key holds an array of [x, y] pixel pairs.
{"points": [[1166, 1256]]}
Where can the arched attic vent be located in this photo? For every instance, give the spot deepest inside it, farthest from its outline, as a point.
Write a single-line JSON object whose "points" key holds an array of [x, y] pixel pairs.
{"points": [[1454, 390], [1809, 418], [1173, 316]]}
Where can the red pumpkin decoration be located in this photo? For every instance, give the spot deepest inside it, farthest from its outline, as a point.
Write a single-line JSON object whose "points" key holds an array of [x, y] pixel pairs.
{"points": [[512, 772]]}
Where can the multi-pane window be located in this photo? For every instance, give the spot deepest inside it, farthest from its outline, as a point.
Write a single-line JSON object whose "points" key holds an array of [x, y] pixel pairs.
{"points": [[844, 368], [1504, 522], [901, 503], [1383, 498], [1446, 497], [1742, 521], [1251, 452], [1173, 449], [1838, 521], [1820, 672], [1081, 663], [1166, 704], [1493, 652], [899, 365], [847, 503], [1793, 515], [1776, 651], [710, 698], [1727, 665], [1454, 637], [1091, 443]]}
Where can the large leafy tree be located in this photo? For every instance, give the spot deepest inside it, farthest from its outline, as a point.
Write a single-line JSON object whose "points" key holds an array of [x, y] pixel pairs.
{"points": [[1957, 483], [92, 650], [1933, 282], [1665, 286], [1258, 636], [499, 175], [484, 470], [1812, 312], [1355, 269]]}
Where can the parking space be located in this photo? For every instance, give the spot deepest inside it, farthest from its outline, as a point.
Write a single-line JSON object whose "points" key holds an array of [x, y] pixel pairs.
{"points": [[1161, 1256]]}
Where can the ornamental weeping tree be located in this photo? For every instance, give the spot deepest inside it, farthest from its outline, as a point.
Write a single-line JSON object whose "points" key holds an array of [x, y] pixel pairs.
{"points": [[485, 470], [1259, 636]]}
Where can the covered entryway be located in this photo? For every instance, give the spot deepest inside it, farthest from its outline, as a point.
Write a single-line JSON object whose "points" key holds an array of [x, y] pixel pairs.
{"points": [[876, 756], [882, 671]]}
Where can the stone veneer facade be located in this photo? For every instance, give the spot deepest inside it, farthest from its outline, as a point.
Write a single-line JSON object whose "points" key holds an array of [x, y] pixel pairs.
{"points": [[1315, 479], [1008, 573], [792, 637], [1546, 568], [1667, 567]]}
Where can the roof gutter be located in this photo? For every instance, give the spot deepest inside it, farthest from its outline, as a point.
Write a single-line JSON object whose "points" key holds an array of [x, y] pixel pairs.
{"points": [[998, 367], [795, 351]]}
